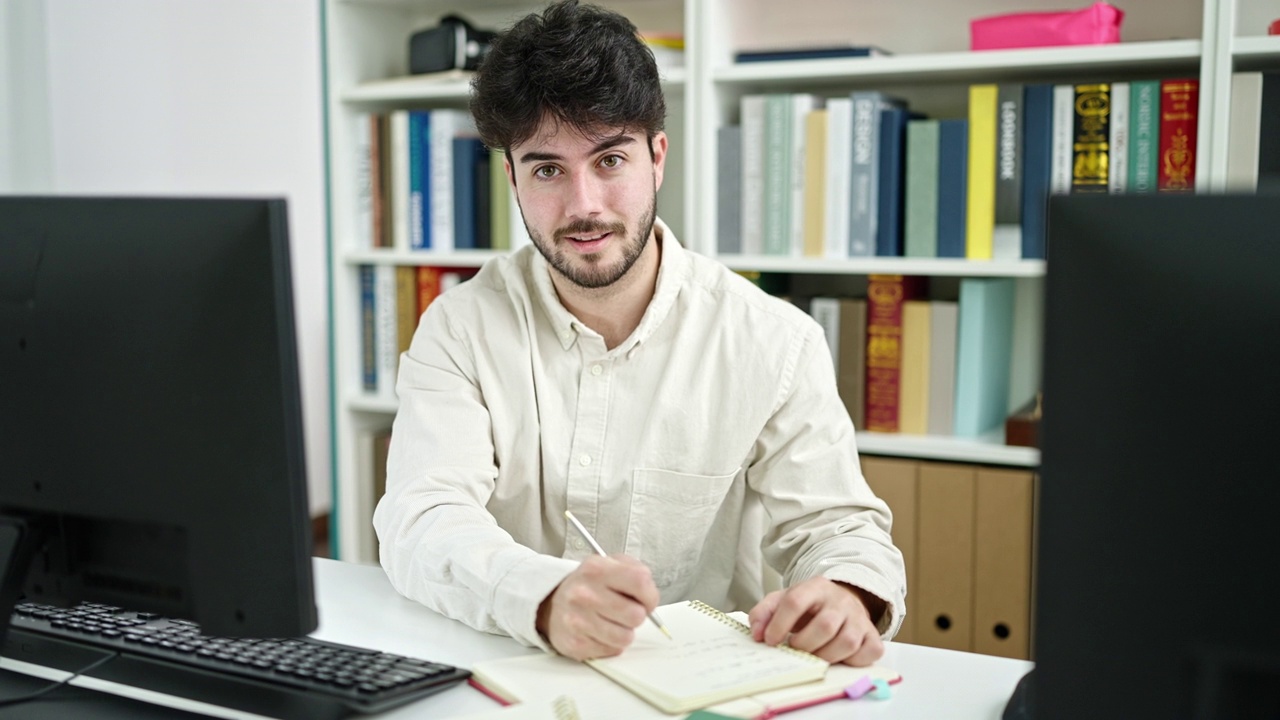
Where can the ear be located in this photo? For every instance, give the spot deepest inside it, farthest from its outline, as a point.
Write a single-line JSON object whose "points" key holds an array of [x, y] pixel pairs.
{"points": [[659, 148]]}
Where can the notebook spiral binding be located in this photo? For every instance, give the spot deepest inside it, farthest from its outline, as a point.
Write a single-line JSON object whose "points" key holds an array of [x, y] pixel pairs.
{"points": [[706, 609], [565, 708]]}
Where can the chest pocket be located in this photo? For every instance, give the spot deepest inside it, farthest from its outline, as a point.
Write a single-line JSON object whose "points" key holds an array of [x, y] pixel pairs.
{"points": [[671, 514]]}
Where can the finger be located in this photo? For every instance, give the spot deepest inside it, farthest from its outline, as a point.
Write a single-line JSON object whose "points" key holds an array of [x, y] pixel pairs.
{"points": [[762, 613], [871, 650], [633, 578], [827, 627], [795, 604]]}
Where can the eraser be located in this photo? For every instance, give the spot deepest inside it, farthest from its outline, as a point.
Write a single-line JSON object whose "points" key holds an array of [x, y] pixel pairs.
{"points": [[881, 691], [860, 688]]}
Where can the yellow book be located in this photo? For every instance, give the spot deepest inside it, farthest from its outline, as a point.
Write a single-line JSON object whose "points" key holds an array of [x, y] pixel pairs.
{"points": [[815, 183], [712, 662], [980, 215], [913, 383]]}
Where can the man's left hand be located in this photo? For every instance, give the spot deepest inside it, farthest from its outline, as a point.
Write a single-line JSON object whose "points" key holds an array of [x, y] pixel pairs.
{"points": [[822, 617]]}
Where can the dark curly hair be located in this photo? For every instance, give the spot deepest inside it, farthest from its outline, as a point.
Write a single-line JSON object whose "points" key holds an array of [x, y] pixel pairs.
{"points": [[581, 65]]}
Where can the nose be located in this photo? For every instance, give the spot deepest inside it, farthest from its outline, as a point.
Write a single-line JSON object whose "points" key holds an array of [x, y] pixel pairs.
{"points": [[586, 196]]}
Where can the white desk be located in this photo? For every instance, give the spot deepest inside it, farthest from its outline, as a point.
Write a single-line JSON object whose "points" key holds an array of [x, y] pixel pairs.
{"points": [[359, 607]]}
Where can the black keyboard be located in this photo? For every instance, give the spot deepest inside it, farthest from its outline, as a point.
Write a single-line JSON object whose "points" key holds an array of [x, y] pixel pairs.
{"points": [[285, 678]]}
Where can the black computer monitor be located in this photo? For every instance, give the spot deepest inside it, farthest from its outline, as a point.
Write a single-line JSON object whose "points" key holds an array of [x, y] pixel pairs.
{"points": [[1160, 478], [151, 443]]}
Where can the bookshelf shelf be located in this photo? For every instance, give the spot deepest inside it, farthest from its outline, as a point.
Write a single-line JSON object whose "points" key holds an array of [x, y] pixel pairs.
{"points": [[926, 447], [448, 87], [887, 266], [986, 66], [370, 404], [1265, 47], [461, 259]]}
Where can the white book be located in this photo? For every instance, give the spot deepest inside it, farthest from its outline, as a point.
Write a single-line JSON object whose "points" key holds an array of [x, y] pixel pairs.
{"points": [[752, 120], [399, 156], [445, 126], [362, 216], [1118, 142], [387, 338], [1064, 100], [1244, 131], [826, 311], [839, 175]]}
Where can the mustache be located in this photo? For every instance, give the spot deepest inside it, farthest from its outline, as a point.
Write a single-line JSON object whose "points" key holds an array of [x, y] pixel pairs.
{"points": [[588, 227]]}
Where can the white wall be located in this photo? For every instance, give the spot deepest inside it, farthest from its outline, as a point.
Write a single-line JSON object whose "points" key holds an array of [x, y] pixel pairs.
{"points": [[202, 97]]}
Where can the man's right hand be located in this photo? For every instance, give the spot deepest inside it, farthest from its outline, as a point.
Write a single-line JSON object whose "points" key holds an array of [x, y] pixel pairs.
{"points": [[594, 611]]}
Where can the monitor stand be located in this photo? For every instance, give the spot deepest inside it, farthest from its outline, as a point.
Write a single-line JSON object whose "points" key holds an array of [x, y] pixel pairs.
{"points": [[19, 539]]}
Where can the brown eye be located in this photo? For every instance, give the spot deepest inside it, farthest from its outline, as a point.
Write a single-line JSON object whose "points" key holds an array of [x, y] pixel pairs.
{"points": [[611, 161]]}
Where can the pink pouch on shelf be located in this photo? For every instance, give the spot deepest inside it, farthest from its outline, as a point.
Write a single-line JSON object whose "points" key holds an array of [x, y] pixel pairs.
{"points": [[1097, 24]]}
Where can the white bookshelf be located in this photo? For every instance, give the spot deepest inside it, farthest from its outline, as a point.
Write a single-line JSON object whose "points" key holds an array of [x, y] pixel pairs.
{"points": [[366, 47]]}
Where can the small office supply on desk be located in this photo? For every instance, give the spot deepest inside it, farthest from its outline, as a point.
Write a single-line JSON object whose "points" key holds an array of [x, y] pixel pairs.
{"points": [[600, 551]]}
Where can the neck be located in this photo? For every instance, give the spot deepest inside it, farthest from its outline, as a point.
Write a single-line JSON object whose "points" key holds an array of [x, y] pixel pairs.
{"points": [[614, 311]]}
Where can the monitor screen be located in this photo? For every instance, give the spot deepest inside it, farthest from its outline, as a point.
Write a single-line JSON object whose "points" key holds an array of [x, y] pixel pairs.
{"points": [[1159, 483], [151, 445]]}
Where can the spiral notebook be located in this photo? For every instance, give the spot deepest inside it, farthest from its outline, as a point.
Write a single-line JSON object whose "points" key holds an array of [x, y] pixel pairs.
{"points": [[711, 659]]}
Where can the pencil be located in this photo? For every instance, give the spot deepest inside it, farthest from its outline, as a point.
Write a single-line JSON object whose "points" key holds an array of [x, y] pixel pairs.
{"points": [[600, 551]]}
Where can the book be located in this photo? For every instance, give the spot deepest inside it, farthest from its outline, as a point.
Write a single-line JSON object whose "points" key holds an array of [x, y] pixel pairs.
{"points": [[981, 211], [1090, 139], [864, 183], [1006, 238], [953, 197], [893, 139], [921, 202], [844, 325], [1144, 135], [1269, 134], [401, 208], [752, 113], [838, 178], [885, 297], [1064, 112], [913, 385], [1037, 167], [1179, 108], [983, 348], [713, 664], [943, 325], [1244, 132], [1118, 152], [813, 216], [809, 53]]}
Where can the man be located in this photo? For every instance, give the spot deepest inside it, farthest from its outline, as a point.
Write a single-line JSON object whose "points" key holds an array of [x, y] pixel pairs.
{"points": [[689, 420]]}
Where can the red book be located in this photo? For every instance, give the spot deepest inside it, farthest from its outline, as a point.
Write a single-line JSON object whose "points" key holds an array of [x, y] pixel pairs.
{"points": [[885, 295], [1179, 108]]}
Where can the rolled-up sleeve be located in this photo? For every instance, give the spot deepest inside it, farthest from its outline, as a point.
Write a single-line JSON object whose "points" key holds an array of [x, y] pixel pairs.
{"points": [[439, 544], [824, 519]]}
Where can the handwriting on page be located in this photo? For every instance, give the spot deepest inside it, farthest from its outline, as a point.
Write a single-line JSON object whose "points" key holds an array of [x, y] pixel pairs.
{"points": [[705, 665]]}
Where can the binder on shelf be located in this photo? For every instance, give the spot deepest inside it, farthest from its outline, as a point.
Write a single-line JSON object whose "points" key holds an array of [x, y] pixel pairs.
{"points": [[945, 530], [1002, 563], [897, 483]]}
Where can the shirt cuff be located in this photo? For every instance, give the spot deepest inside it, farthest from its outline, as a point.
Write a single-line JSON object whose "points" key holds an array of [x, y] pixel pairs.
{"points": [[518, 594]]}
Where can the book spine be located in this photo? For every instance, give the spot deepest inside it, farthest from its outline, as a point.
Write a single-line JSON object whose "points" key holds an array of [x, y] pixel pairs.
{"points": [[953, 174], [980, 216], [400, 206], [440, 179], [1179, 107], [814, 191], [406, 306], [1007, 234], [920, 222], [1091, 138], [1037, 167], [777, 175], [1268, 164], [839, 149], [826, 312], [499, 206], [913, 386], [484, 198], [379, 172], [1144, 135], [885, 296], [1064, 112], [801, 105], [428, 286], [862, 198], [368, 332], [1118, 155], [753, 128], [1244, 134], [984, 347], [942, 366], [417, 175], [893, 138], [464, 150], [363, 216], [851, 372], [388, 338], [729, 190]]}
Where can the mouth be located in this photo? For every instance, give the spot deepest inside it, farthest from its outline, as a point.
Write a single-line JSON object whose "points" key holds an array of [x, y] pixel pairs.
{"points": [[589, 243]]}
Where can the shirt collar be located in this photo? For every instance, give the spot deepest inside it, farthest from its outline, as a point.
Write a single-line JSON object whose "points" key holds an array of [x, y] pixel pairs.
{"points": [[673, 270]]}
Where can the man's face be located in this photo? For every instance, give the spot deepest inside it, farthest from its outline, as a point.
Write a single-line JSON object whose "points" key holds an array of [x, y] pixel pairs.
{"points": [[588, 204]]}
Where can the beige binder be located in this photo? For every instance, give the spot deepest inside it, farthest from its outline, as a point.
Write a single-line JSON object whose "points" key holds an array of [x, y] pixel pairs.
{"points": [[1002, 563], [944, 597], [895, 482]]}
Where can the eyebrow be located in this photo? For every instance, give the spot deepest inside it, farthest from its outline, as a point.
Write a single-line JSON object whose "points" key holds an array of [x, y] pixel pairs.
{"points": [[607, 144]]}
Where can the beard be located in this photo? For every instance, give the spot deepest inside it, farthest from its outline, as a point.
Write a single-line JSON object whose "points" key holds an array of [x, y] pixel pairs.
{"points": [[592, 271]]}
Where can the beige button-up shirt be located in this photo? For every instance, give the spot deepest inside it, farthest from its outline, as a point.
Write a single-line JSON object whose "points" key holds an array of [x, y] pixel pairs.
{"points": [[709, 440]]}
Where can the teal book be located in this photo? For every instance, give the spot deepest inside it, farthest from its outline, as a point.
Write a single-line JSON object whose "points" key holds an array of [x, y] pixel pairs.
{"points": [[776, 238], [983, 351], [1144, 135]]}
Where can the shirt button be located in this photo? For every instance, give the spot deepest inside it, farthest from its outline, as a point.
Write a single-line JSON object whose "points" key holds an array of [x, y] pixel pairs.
{"points": [[578, 544], [585, 460], [596, 369], [567, 336]]}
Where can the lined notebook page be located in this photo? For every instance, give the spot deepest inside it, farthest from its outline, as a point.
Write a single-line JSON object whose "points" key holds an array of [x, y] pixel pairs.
{"points": [[711, 658]]}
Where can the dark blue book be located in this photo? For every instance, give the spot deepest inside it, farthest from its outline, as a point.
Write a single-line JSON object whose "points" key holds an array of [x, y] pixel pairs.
{"points": [[466, 152], [484, 201], [891, 198], [1037, 167], [953, 185], [368, 332], [820, 53], [419, 179]]}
